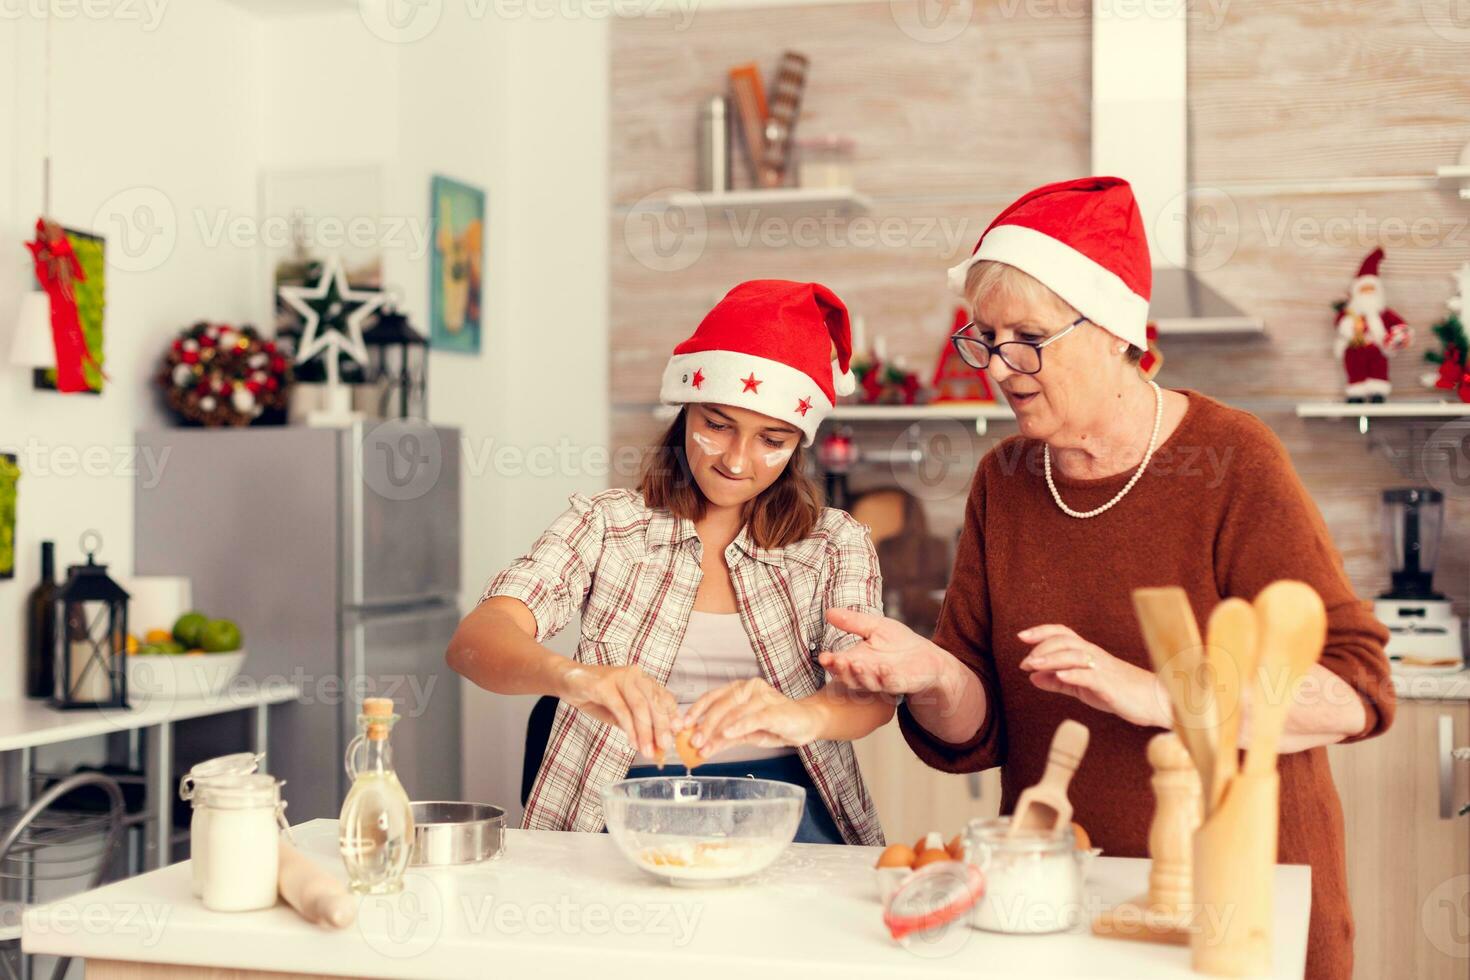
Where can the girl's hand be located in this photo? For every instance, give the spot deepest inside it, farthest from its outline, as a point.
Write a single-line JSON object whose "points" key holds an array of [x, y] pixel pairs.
{"points": [[626, 698], [750, 712], [892, 659], [1064, 663]]}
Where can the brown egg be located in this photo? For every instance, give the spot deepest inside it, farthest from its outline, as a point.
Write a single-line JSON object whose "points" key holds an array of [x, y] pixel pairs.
{"points": [[688, 754], [896, 856], [1084, 843], [930, 856], [956, 848]]}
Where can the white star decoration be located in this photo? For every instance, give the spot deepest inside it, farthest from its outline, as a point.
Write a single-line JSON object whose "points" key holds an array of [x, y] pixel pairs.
{"points": [[314, 339]]}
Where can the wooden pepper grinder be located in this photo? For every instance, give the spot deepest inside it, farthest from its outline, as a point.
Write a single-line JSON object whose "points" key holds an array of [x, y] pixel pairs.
{"points": [[1162, 916]]}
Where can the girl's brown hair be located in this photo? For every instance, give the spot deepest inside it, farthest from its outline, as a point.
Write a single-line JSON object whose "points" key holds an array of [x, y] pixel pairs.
{"points": [[783, 513]]}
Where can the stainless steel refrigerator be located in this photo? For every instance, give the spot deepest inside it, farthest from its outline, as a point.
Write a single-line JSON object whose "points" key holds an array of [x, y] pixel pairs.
{"points": [[337, 552]]}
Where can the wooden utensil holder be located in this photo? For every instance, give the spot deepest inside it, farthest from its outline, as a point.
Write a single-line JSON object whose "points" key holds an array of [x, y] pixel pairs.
{"points": [[1234, 877]]}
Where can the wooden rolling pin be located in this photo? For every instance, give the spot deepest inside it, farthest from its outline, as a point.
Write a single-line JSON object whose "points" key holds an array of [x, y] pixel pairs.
{"points": [[312, 891]]}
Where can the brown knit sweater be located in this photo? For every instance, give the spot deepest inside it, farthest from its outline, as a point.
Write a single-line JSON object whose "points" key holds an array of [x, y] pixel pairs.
{"points": [[1220, 513]]}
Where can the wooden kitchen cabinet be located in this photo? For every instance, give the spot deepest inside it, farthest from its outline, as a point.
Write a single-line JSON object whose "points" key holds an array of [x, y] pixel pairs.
{"points": [[1408, 853], [913, 799]]}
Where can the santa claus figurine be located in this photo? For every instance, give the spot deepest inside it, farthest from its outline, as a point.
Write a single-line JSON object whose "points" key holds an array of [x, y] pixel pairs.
{"points": [[1367, 332]]}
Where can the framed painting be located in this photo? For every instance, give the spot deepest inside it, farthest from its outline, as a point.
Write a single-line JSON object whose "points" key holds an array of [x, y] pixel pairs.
{"points": [[456, 265]]}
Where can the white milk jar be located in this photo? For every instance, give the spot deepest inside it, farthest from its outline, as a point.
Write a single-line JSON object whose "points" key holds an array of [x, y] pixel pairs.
{"points": [[243, 845], [238, 764]]}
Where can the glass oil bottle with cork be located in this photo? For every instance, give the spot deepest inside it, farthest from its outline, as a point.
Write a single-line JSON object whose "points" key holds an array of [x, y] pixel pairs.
{"points": [[375, 833]]}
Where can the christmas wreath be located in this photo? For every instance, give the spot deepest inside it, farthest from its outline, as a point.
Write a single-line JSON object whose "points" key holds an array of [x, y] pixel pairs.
{"points": [[215, 374]]}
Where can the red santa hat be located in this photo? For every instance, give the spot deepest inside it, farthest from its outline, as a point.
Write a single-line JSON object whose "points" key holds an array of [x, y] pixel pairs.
{"points": [[1084, 240], [1369, 268], [767, 346]]}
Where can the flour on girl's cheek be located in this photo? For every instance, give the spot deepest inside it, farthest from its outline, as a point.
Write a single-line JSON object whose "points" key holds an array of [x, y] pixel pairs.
{"points": [[710, 447], [777, 456]]}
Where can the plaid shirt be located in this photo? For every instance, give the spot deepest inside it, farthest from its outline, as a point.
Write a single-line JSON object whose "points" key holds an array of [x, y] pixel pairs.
{"points": [[633, 572]]}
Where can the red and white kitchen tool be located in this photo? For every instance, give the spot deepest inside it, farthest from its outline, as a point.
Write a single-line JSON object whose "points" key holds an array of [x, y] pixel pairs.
{"points": [[1044, 808]]}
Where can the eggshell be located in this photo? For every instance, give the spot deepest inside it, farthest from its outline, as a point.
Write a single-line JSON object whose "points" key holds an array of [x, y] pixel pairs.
{"points": [[1084, 842], [930, 856], [956, 848], [688, 754], [896, 856]]}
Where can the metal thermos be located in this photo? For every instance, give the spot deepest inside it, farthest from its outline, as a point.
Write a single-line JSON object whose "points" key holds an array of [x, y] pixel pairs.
{"points": [[713, 142]]}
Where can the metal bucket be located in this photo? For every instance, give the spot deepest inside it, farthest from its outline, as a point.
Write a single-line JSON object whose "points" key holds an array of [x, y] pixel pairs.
{"points": [[449, 833]]}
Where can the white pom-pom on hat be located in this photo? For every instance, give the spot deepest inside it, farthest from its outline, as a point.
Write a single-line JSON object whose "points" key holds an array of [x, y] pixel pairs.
{"points": [[843, 382]]}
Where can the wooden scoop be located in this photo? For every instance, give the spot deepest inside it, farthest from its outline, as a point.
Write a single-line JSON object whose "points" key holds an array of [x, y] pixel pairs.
{"points": [[1044, 808], [1230, 653], [1293, 628], [1172, 636]]}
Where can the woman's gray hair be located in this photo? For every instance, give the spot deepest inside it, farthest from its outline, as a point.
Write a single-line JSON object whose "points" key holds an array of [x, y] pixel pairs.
{"points": [[986, 277]]}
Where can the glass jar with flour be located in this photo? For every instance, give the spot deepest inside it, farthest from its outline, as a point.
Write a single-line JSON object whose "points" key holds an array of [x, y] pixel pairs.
{"points": [[238, 764], [243, 844], [1033, 882]]}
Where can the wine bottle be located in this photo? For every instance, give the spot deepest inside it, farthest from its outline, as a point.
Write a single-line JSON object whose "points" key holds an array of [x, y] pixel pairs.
{"points": [[41, 627]]}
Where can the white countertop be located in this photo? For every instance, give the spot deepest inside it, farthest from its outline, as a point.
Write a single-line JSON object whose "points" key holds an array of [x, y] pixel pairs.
{"points": [[1425, 686], [26, 724], [563, 904]]}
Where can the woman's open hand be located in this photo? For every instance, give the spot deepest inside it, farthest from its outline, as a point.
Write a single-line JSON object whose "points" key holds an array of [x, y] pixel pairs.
{"points": [[892, 659], [1064, 663], [751, 712], [627, 698]]}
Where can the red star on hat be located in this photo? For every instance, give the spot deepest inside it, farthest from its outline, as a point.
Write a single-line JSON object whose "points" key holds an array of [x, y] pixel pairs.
{"points": [[698, 378], [751, 384], [803, 406]]}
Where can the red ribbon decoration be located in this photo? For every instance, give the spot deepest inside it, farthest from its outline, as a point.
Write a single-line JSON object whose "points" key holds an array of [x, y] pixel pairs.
{"points": [[1452, 373], [57, 268]]}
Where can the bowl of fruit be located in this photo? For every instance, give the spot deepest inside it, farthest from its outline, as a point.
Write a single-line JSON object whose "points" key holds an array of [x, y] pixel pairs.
{"points": [[196, 659]]}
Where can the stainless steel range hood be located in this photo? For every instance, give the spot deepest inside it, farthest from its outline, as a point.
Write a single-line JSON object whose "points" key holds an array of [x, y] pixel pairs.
{"points": [[1140, 132]]}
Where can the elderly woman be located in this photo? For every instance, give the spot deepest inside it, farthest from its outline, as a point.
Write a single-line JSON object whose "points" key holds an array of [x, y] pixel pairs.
{"points": [[1114, 484]]}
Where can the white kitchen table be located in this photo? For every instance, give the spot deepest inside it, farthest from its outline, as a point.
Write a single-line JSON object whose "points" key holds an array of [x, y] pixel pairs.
{"points": [[565, 904], [27, 725]]}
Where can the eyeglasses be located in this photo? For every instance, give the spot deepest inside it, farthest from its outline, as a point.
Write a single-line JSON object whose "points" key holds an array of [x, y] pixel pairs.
{"points": [[1020, 356]]}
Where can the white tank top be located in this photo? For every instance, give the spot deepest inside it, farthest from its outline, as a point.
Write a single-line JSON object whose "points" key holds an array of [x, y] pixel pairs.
{"points": [[715, 652]]}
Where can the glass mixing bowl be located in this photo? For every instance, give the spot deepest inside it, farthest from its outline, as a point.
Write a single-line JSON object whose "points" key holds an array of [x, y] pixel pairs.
{"points": [[702, 830]]}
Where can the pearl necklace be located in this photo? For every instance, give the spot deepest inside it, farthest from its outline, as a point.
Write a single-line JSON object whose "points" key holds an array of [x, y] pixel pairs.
{"points": [[1153, 443]]}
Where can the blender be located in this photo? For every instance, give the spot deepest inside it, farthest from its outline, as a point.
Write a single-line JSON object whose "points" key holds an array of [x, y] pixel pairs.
{"points": [[1424, 632]]}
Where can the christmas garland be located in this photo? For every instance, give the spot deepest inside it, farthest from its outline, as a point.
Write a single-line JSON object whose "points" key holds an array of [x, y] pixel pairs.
{"points": [[214, 374], [1453, 374]]}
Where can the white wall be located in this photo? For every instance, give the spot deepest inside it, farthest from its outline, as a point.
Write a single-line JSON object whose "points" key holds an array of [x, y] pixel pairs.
{"points": [[518, 107], [160, 118]]}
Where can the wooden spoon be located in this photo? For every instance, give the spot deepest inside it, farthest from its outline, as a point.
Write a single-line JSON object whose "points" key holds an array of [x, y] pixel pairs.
{"points": [[1044, 808], [1230, 653], [1293, 628], [1172, 636]]}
